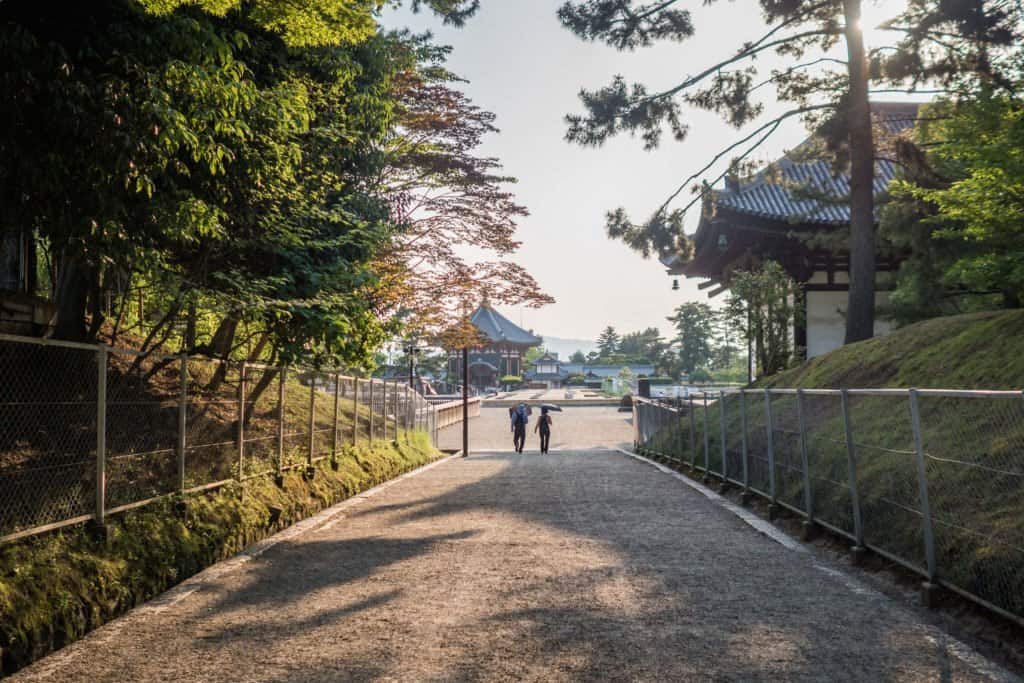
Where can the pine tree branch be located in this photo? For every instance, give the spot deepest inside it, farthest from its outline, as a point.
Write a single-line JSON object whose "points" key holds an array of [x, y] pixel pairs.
{"points": [[769, 126], [746, 53], [796, 67]]}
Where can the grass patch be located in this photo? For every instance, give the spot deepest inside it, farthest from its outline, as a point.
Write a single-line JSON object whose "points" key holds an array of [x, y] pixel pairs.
{"points": [[57, 587]]}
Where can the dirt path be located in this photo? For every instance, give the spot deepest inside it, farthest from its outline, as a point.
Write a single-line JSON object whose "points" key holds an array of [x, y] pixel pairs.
{"points": [[573, 566]]}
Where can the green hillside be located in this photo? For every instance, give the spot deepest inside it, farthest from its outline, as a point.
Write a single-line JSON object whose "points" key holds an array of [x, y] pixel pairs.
{"points": [[974, 446], [971, 351]]}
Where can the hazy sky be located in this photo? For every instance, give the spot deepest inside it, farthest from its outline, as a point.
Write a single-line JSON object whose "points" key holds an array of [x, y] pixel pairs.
{"points": [[522, 65]]}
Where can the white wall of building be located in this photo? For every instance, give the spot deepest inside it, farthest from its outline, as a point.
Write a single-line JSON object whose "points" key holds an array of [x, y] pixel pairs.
{"points": [[826, 320]]}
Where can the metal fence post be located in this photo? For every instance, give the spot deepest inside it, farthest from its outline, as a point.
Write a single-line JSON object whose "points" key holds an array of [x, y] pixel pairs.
{"points": [[334, 427], [182, 420], [241, 422], [680, 432], [805, 462], [707, 440], [355, 410], [693, 434], [281, 378], [928, 588], [721, 431], [312, 426], [744, 455], [773, 508], [101, 434], [372, 407], [851, 465]]}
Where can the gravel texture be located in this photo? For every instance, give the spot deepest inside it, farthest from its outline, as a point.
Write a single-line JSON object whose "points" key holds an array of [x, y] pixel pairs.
{"points": [[583, 565]]}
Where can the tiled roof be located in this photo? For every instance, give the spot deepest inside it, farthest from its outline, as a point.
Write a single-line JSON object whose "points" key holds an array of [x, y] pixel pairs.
{"points": [[498, 328], [805, 190]]}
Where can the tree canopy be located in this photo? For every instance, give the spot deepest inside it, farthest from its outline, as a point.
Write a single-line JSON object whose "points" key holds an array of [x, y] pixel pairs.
{"points": [[229, 176]]}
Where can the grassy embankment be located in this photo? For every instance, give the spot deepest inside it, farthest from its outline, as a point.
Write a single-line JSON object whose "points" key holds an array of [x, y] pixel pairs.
{"points": [[974, 447], [56, 587]]}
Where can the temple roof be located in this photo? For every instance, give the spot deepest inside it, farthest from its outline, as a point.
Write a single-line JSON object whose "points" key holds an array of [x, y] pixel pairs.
{"points": [[799, 192], [498, 328], [797, 188]]}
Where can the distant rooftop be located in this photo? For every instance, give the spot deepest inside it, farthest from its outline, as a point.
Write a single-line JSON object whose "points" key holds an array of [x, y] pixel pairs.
{"points": [[498, 328]]}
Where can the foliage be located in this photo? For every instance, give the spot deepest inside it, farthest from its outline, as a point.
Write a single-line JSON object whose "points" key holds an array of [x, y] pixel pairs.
{"points": [[694, 332], [577, 357], [532, 354], [942, 41], [223, 163], [576, 380], [701, 376], [445, 199], [960, 209], [762, 305], [647, 343], [608, 341], [511, 379]]}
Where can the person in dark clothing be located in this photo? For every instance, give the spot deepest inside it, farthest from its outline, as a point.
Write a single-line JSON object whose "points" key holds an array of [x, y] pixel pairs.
{"points": [[544, 427], [520, 418]]}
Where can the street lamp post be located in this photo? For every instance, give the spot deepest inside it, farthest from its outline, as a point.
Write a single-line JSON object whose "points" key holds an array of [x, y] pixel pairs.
{"points": [[465, 401], [411, 351]]}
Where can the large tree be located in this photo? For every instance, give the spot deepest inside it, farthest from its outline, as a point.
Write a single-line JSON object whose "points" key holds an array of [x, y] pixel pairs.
{"points": [[694, 323], [825, 89], [446, 200], [608, 342]]}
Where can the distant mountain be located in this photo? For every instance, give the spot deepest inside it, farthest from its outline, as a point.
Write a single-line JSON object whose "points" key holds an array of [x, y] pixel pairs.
{"points": [[566, 347]]}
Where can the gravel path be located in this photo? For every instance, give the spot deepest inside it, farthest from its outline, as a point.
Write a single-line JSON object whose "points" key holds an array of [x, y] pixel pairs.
{"points": [[575, 428], [573, 566]]}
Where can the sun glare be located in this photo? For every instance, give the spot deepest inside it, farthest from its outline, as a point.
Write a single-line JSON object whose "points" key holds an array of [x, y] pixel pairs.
{"points": [[875, 13]]}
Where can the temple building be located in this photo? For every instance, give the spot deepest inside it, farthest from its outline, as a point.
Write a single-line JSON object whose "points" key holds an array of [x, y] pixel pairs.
{"points": [[501, 357], [788, 213], [547, 373]]}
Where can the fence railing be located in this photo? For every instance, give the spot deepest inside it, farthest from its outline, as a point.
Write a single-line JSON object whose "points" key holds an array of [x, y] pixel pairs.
{"points": [[450, 412], [930, 479], [88, 431]]}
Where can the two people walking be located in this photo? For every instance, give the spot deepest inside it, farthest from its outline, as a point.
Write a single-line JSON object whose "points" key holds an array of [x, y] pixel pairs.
{"points": [[521, 418]]}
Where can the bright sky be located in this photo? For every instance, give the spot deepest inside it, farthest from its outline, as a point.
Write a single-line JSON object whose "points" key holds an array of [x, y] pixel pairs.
{"points": [[522, 65]]}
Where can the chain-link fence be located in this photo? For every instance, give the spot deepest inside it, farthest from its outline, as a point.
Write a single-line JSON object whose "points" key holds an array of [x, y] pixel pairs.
{"points": [[87, 431], [930, 479]]}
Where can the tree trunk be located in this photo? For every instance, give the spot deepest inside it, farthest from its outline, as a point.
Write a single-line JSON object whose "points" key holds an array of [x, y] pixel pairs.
{"points": [[860, 314], [71, 301]]}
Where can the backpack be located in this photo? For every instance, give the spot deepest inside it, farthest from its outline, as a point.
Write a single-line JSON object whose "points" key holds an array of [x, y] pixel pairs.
{"points": [[520, 417]]}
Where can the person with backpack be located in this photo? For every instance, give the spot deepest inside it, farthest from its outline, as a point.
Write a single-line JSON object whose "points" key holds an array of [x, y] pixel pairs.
{"points": [[520, 418], [544, 427]]}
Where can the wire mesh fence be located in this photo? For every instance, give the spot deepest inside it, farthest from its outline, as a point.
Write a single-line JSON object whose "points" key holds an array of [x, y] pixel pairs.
{"points": [[87, 431], [931, 479]]}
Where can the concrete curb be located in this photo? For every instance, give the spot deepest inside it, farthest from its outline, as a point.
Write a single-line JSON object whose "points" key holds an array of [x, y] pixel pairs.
{"points": [[965, 653]]}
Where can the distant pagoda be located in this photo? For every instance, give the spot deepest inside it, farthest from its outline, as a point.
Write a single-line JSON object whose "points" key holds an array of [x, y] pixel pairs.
{"points": [[502, 356]]}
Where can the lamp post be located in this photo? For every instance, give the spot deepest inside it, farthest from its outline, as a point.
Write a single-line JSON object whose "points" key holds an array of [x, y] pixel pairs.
{"points": [[411, 351], [465, 401]]}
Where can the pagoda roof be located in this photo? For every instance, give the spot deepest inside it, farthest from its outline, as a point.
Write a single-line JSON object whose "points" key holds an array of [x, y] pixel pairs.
{"points": [[801, 192], [498, 328]]}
